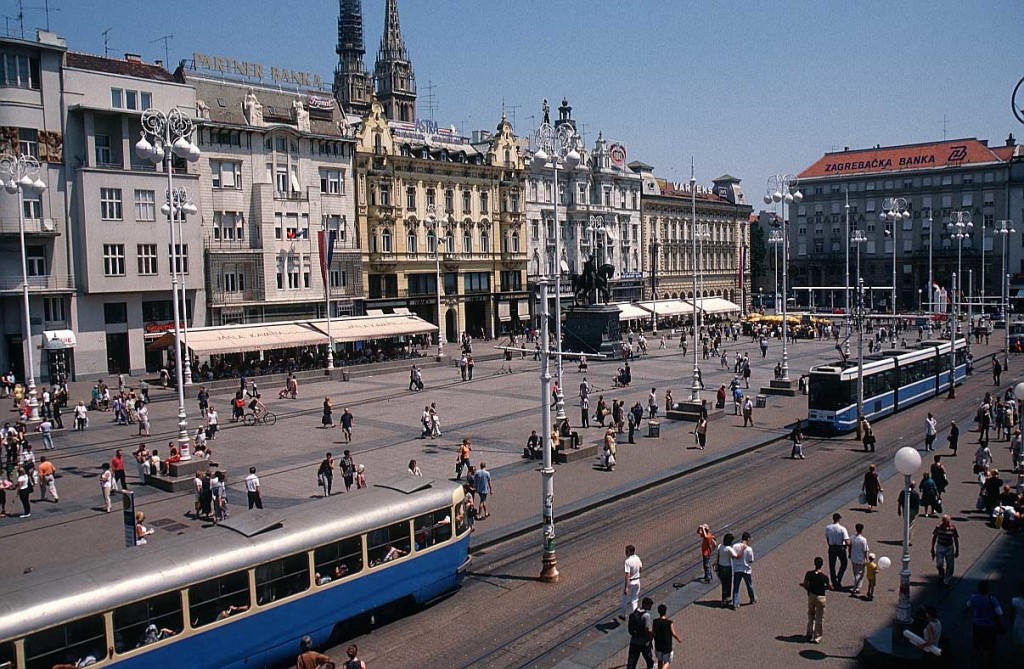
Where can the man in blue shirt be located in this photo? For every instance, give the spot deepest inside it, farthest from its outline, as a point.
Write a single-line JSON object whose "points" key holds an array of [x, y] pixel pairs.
{"points": [[482, 481]]}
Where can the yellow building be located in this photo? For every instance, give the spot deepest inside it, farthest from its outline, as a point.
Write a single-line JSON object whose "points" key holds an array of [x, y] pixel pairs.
{"points": [[436, 208]]}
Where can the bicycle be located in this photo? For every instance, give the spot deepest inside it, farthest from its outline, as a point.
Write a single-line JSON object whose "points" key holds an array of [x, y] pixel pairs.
{"points": [[267, 418]]}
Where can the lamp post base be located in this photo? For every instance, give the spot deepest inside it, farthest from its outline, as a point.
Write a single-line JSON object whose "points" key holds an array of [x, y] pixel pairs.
{"points": [[549, 568]]}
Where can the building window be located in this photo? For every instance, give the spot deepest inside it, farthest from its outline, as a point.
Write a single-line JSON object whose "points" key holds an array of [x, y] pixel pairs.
{"points": [[113, 259], [431, 198], [35, 260], [20, 71], [117, 98], [385, 241], [28, 142], [293, 273], [410, 242], [131, 99], [515, 203], [338, 278], [145, 205], [147, 259], [449, 242], [281, 178], [146, 100], [178, 261], [226, 174], [102, 150], [467, 201], [385, 195], [228, 225], [485, 241], [484, 202], [449, 200], [515, 242], [535, 230], [110, 204], [476, 282], [410, 198], [431, 242], [54, 310], [33, 201], [332, 182], [467, 241], [306, 271]]}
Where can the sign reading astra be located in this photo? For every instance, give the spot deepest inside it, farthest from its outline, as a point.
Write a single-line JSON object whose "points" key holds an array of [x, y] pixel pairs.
{"points": [[954, 154]]}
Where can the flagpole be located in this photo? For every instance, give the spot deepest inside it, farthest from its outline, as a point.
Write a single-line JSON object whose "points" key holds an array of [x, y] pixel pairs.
{"points": [[325, 241]]}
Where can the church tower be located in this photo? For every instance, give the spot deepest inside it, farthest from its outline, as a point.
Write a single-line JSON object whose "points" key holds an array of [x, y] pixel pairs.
{"points": [[352, 86], [393, 74]]}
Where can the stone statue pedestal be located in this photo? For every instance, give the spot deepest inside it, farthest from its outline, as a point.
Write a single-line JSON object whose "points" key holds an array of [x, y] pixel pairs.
{"points": [[593, 329]]}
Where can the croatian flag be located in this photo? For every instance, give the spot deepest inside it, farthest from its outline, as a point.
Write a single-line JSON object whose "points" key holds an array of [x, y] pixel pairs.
{"points": [[298, 234], [325, 243]]}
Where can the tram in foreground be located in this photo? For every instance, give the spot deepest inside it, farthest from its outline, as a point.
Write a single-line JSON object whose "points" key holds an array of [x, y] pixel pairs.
{"points": [[242, 595], [893, 380]]}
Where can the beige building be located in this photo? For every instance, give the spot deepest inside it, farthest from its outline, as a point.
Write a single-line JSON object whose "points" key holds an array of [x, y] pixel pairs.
{"points": [[276, 169], [423, 190]]}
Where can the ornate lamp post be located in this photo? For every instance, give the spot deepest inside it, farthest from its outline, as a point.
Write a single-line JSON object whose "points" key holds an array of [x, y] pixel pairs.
{"points": [[775, 239], [1004, 230], [163, 137], [782, 188], [894, 210], [183, 205], [16, 173], [931, 281], [435, 226], [858, 238], [549, 564], [557, 149], [960, 226], [907, 461], [695, 384]]}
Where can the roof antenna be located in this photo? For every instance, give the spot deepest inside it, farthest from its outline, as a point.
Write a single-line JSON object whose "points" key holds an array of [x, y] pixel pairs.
{"points": [[46, 8], [106, 42], [165, 39], [944, 119]]}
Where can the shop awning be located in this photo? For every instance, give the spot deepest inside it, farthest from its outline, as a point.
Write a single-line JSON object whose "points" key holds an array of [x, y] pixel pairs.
{"points": [[631, 312], [667, 307], [240, 338], [365, 328], [58, 340], [717, 305]]}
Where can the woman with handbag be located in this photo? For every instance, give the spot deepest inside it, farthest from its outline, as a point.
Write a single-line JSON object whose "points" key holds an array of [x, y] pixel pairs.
{"points": [[871, 488], [868, 438]]}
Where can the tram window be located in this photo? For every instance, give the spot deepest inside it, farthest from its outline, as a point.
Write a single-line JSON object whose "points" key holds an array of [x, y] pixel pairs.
{"points": [[148, 621], [218, 598], [282, 578], [7, 657], [388, 543], [73, 643], [461, 524], [432, 528], [338, 560], [828, 393]]}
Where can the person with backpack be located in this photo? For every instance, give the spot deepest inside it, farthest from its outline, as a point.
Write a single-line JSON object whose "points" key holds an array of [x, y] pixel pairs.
{"points": [[348, 469], [664, 632], [325, 474], [641, 635]]}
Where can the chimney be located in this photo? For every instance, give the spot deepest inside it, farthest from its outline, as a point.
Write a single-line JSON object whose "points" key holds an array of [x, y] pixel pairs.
{"points": [[158, 62], [845, 149], [133, 57], [984, 142], [1011, 140]]}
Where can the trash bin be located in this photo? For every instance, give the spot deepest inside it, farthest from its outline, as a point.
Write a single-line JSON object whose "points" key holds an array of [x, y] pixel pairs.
{"points": [[761, 401], [654, 429]]}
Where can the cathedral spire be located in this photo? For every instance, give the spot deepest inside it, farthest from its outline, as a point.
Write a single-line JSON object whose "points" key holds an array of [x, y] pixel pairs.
{"points": [[393, 73], [352, 86]]}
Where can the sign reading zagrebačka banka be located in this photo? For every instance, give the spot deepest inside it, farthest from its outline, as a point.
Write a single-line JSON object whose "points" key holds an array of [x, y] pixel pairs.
{"points": [[242, 68]]}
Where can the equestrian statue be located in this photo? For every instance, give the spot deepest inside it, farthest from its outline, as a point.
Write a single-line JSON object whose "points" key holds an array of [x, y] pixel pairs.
{"points": [[592, 283]]}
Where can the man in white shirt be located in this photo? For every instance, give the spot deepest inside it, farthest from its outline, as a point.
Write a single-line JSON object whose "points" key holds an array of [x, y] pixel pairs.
{"points": [[742, 559], [859, 550], [631, 582], [252, 489], [838, 547], [931, 428]]}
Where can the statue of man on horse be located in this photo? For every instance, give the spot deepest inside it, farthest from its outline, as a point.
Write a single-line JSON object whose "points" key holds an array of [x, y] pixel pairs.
{"points": [[592, 283]]}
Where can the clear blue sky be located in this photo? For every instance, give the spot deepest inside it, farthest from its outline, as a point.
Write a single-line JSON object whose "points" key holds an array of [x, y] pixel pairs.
{"points": [[745, 88]]}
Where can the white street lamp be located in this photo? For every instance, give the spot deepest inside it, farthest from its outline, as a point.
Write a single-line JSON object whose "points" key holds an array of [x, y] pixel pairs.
{"points": [[931, 284], [16, 174], [434, 225], [775, 239], [858, 238], [163, 137], [907, 461], [695, 383], [557, 148], [894, 211], [183, 205], [782, 188], [960, 226], [1005, 229]]}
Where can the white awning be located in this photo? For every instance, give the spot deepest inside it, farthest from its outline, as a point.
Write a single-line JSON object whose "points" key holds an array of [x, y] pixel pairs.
{"points": [[667, 307], [631, 312], [365, 328], [58, 340], [504, 311], [240, 338], [717, 305]]}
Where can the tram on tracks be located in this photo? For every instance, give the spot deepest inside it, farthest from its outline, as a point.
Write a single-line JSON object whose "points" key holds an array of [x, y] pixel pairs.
{"points": [[893, 380], [242, 595]]}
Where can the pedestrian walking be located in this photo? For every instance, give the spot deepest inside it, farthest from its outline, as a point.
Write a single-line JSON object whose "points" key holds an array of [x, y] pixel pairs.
{"points": [[868, 439], [584, 411], [328, 419], [663, 630], [484, 489], [701, 431], [938, 471], [838, 539], [348, 470], [915, 507], [462, 459], [816, 584], [641, 635], [931, 428], [997, 370], [859, 551], [106, 482], [309, 658], [954, 436], [117, 466], [742, 561], [708, 546], [872, 575], [252, 489], [346, 424], [929, 495], [871, 488], [212, 422], [47, 480], [325, 474], [945, 548], [45, 429], [203, 397], [608, 450], [81, 417], [986, 617], [652, 404], [748, 412], [797, 436], [632, 567], [360, 476], [723, 567]]}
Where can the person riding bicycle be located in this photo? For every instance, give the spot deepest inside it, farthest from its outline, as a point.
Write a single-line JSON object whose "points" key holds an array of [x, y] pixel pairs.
{"points": [[257, 407]]}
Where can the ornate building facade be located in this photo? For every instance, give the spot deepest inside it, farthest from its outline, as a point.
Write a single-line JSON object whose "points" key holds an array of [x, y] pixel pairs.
{"points": [[432, 203], [353, 87]]}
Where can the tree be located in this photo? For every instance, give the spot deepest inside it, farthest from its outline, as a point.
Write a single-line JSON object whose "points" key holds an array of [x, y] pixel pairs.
{"points": [[758, 254]]}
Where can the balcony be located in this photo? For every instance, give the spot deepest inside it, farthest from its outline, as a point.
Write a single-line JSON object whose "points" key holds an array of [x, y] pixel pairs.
{"points": [[51, 283], [291, 196], [231, 245], [224, 297], [33, 226]]}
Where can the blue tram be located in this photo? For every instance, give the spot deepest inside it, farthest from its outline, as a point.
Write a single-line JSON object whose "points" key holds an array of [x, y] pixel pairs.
{"points": [[243, 594], [893, 380]]}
